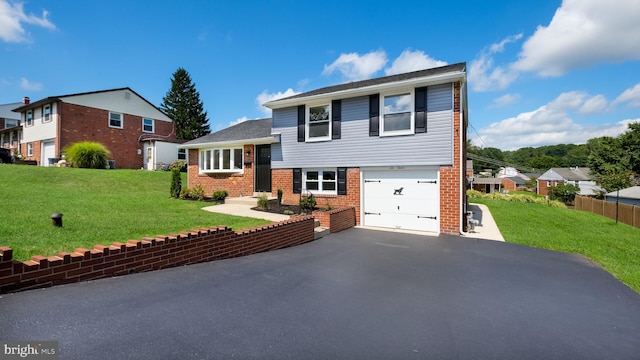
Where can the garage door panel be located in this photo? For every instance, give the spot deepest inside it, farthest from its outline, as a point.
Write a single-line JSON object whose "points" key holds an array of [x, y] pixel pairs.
{"points": [[406, 199]]}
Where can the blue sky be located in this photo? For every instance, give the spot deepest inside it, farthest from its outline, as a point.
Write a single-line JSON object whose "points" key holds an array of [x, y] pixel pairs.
{"points": [[540, 72]]}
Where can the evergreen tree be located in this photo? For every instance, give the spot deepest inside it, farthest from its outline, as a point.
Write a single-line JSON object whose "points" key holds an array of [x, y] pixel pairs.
{"points": [[182, 104]]}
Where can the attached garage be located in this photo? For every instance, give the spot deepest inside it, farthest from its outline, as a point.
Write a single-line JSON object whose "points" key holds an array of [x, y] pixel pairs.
{"points": [[401, 199], [48, 152]]}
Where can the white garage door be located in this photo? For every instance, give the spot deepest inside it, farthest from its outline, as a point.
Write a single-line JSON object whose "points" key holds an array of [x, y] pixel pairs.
{"points": [[48, 151], [402, 199]]}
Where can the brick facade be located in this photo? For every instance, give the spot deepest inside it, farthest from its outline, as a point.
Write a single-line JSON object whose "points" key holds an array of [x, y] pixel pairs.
{"points": [[235, 184], [117, 259]]}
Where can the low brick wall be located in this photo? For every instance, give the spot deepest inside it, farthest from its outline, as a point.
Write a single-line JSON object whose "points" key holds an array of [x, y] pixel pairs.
{"points": [[336, 219], [148, 254]]}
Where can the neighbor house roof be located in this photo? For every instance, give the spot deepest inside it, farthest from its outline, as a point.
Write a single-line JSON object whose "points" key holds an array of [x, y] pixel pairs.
{"points": [[628, 193], [6, 111], [569, 174], [354, 88], [247, 132], [479, 180], [517, 180]]}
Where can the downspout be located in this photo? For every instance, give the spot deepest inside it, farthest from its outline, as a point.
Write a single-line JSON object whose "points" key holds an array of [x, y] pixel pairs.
{"points": [[463, 175]]}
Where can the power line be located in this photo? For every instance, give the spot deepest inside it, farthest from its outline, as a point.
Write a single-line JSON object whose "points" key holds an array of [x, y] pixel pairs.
{"points": [[499, 163]]}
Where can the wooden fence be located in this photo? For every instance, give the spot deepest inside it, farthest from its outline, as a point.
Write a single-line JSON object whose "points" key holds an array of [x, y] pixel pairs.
{"points": [[627, 214]]}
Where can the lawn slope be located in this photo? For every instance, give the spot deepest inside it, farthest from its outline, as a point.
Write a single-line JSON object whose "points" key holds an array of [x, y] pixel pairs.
{"points": [[99, 207]]}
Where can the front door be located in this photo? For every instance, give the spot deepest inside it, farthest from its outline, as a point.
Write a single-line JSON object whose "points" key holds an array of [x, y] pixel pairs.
{"points": [[263, 168], [150, 158]]}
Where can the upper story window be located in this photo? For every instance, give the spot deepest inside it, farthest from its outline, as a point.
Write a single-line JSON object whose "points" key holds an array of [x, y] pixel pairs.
{"points": [[148, 125], [182, 154], [319, 122], [29, 120], [46, 114], [320, 181], [397, 114], [221, 160], [115, 120]]}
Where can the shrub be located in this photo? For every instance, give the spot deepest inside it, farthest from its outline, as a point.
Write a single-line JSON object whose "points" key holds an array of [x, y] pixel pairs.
{"points": [[220, 195], [474, 194], [263, 201], [181, 165], [288, 212], [185, 193], [279, 196], [308, 203], [197, 192], [87, 154], [176, 183]]}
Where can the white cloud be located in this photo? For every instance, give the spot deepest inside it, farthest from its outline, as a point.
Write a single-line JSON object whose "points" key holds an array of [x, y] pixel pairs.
{"points": [[28, 85], [483, 76], [354, 66], [632, 96], [583, 33], [551, 124], [13, 18], [412, 61], [265, 97], [505, 100], [238, 121]]}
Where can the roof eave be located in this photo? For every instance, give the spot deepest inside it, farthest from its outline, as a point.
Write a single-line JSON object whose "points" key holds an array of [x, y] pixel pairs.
{"points": [[426, 80], [257, 141]]}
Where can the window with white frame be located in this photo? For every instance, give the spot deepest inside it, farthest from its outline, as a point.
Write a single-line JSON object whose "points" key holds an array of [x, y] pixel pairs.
{"points": [[30, 149], [115, 120], [221, 160], [10, 123], [320, 181], [397, 114], [29, 119], [46, 114], [148, 125], [182, 154], [319, 122]]}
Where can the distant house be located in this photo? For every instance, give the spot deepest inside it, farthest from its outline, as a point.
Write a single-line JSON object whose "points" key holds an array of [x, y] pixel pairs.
{"points": [[10, 129], [487, 185], [391, 147], [513, 183], [136, 132], [579, 177], [629, 196]]}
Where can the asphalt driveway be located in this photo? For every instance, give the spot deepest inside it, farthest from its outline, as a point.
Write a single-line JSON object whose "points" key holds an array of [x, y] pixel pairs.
{"points": [[358, 294]]}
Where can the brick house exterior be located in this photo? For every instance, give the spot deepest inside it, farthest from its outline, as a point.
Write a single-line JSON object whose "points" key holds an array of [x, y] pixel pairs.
{"points": [[10, 129], [120, 119], [580, 177], [391, 147]]}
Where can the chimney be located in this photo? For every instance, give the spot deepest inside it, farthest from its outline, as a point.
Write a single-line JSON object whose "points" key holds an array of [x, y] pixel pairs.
{"points": [[26, 100]]}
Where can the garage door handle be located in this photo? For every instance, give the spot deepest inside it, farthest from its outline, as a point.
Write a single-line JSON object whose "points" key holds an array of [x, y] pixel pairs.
{"points": [[368, 213], [428, 217], [428, 182]]}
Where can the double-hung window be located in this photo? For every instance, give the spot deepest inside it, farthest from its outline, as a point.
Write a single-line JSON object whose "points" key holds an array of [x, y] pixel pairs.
{"points": [[29, 120], [221, 160], [30, 149], [319, 122], [397, 114], [46, 114], [148, 125], [182, 154], [320, 181], [115, 120]]}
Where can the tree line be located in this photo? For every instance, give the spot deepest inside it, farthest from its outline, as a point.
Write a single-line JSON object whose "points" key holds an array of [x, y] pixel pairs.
{"points": [[614, 161]]}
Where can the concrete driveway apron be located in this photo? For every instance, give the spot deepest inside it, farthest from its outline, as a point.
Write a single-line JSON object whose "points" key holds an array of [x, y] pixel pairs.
{"points": [[357, 294]]}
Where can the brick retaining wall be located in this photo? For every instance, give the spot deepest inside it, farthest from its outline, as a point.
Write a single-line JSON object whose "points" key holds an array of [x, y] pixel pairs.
{"points": [[148, 254], [336, 219]]}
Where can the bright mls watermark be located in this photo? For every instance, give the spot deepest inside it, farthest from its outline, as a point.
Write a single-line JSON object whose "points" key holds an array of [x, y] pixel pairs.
{"points": [[29, 350]]}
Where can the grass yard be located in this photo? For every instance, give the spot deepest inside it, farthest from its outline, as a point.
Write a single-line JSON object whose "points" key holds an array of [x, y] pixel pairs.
{"points": [[615, 247], [99, 207]]}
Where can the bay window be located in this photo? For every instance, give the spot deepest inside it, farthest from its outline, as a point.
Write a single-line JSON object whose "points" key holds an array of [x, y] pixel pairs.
{"points": [[221, 160]]}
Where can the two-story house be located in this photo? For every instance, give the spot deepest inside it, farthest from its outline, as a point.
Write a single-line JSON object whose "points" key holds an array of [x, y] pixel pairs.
{"points": [[392, 147], [137, 133], [577, 176], [10, 129]]}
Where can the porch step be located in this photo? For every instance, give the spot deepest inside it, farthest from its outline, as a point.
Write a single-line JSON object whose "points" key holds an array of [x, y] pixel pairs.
{"points": [[319, 232]]}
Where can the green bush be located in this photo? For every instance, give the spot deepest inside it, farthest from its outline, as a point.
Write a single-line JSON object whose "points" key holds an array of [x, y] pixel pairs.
{"points": [[263, 201], [308, 203], [176, 183], [279, 196], [474, 194], [197, 193], [87, 154], [220, 195], [181, 165]]}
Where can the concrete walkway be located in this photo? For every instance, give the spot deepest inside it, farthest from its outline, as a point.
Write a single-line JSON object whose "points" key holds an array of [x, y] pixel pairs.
{"points": [[487, 228], [242, 207]]}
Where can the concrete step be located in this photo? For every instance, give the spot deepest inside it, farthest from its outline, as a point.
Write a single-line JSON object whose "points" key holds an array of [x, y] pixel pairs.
{"points": [[319, 232]]}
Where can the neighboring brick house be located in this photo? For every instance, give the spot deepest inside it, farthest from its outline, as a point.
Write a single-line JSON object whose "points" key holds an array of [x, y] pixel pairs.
{"points": [[577, 176], [136, 132], [392, 147], [10, 129], [513, 183]]}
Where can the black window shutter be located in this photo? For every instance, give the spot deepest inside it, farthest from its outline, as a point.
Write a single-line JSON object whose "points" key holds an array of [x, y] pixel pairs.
{"points": [[421, 110], [336, 118], [374, 115], [301, 120], [342, 181], [297, 181]]}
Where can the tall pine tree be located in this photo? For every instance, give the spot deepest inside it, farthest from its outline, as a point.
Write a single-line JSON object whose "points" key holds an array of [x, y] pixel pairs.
{"points": [[182, 104]]}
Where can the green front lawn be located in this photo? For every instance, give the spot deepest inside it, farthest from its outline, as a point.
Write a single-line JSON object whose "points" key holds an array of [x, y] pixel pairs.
{"points": [[615, 247], [99, 207]]}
